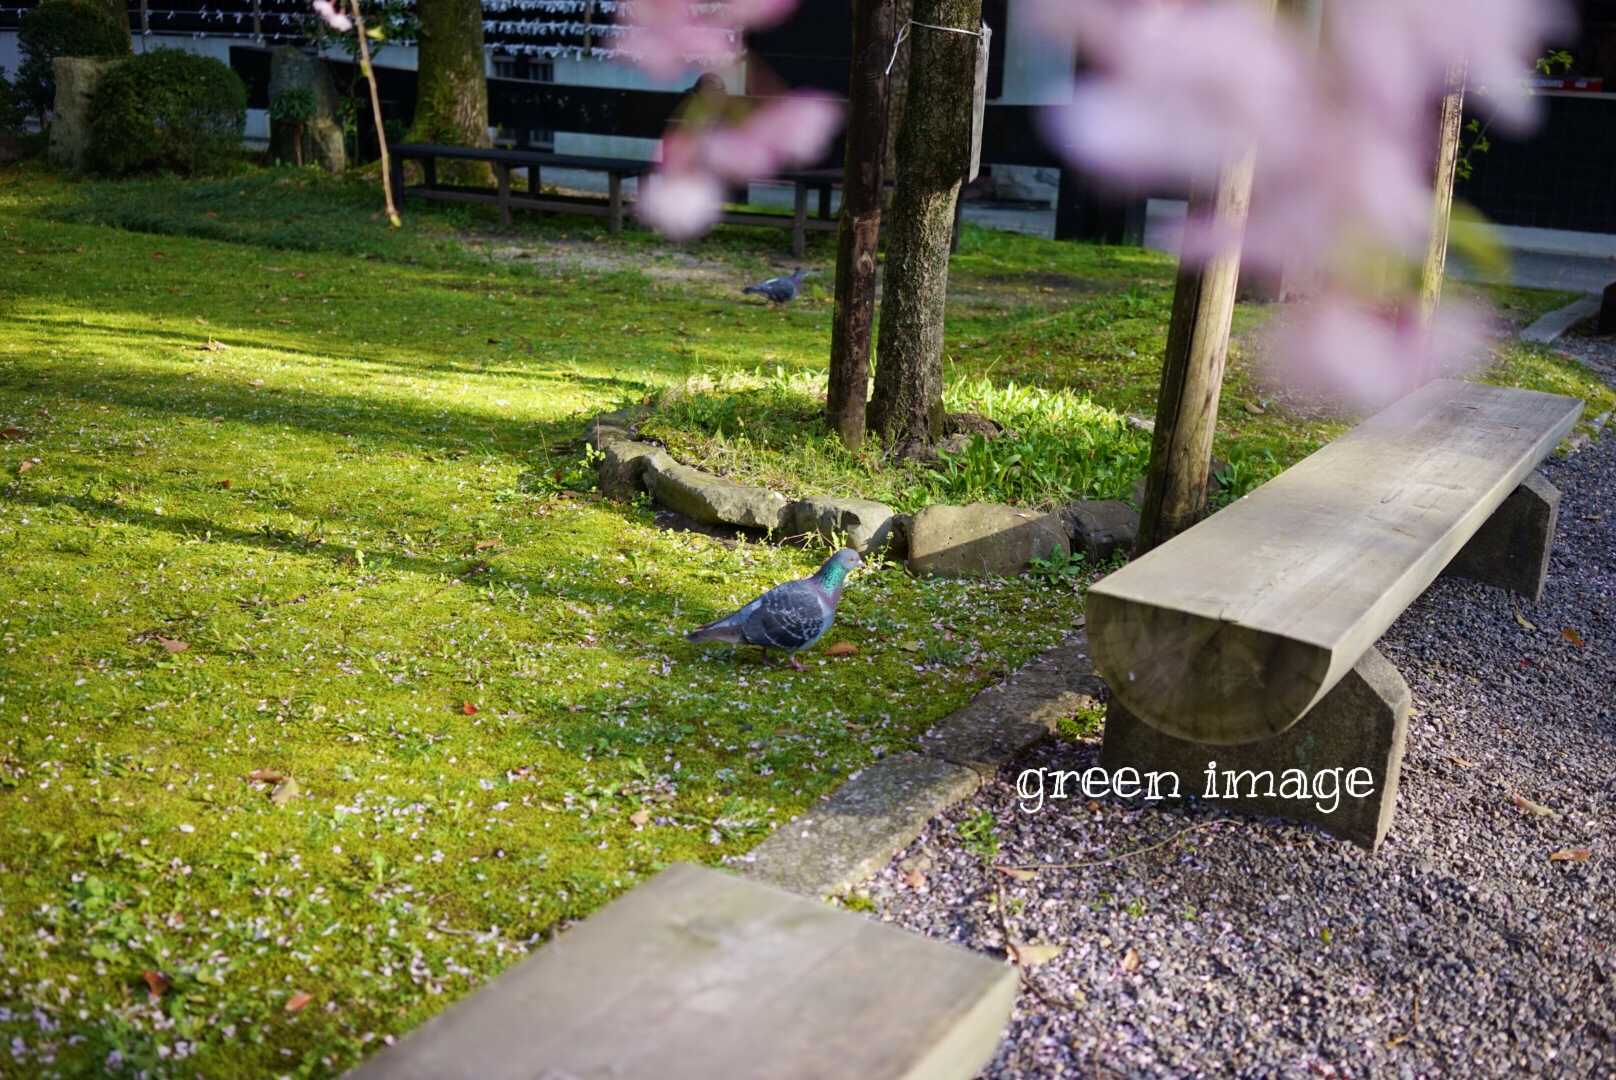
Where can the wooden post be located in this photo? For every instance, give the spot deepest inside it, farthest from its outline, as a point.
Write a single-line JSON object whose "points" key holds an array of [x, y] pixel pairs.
{"points": [[1192, 368], [863, 175], [1449, 129]]}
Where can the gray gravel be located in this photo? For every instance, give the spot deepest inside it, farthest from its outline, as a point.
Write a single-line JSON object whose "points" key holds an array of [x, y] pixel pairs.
{"points": [[1253, 948]]}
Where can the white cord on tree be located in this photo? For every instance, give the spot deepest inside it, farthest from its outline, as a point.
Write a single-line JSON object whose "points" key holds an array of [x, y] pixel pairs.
{"points": [[903, 32]]}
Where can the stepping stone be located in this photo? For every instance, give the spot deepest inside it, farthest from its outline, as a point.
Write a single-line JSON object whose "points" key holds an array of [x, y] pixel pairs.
{"points": [[698, 975]]}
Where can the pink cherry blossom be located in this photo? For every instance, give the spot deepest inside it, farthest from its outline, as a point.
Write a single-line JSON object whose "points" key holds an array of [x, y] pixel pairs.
{"points": [[667, 37], [682, 205], [333, 18]]}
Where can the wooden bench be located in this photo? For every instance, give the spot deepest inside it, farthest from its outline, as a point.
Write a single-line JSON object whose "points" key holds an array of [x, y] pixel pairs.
{"points": [[1249, 639], [699, 975], [504, 162]]}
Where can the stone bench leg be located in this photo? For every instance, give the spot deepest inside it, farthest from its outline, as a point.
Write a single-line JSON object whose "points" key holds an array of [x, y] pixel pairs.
{"points": [[1360, 723], [1511, 550]]}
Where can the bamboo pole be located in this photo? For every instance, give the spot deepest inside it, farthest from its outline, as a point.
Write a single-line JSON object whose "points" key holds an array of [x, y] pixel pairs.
{"points": [[1449, 129]]}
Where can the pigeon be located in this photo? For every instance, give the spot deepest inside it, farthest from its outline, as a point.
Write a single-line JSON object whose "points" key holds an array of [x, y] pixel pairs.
{"points": [[788, 617], [781, 290]]}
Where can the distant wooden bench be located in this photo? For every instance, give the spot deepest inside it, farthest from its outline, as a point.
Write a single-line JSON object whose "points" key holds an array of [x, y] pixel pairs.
{"points": [[1249, 639], [505, 162], [699, 975]]}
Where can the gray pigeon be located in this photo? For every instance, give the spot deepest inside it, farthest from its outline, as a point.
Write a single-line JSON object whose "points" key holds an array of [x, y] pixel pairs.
{"points": [[781, 290], [788, 617]]}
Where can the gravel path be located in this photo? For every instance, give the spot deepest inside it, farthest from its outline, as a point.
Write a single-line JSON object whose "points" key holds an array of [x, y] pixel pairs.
{"points": [[1252, 948]]}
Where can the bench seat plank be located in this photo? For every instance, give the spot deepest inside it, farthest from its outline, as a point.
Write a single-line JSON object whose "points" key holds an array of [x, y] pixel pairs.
{"points": [[1232, 630], [699, 975]]}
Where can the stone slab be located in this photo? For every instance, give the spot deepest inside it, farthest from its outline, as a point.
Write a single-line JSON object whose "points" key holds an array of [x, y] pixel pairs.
{"points": [[1101, 528], [607, 428], [711, 499], [1361, 722], [622, 469], [1550, 326], [1511, 549], [1002, 721], [982, 539], [868, 525], [856, 831], [699, 975]]}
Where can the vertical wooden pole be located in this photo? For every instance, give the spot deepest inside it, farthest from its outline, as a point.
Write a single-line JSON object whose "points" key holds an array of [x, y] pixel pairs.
{"points": [[1192, 368], [863, 175], [1449, 129]]}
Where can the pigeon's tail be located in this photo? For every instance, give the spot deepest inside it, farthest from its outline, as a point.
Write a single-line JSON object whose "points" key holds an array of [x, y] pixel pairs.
{"points": [[755, 290], [722, 630]]}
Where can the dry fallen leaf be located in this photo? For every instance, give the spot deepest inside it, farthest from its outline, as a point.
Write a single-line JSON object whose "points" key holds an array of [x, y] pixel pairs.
{"points": [[1033, 955], [484, 545], [1253, 408], [11, 432], [296, 1002], [213, 346], [1531, 807], [1578, 854], [640, 817], [25, 466], [1130, 960], [224, 483], [842, 648], [173, 645], [158, 255], [1573, 637], [911, 646], [1522, 620], [915, 879], [266, 776], [156, 983], [1019, 875], [284, 792], [468, 708], [255, 382], [1461, 762]]}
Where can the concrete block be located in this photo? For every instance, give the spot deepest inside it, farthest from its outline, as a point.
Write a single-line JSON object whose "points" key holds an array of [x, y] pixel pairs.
{"points": [[858, 829], [1362, 722], [982, 538], [1511, 550], [1000, 722], [699, 975]]}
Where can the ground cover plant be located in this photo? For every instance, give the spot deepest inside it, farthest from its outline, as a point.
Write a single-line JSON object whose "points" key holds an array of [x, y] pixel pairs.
{"points": [[327, 688]]}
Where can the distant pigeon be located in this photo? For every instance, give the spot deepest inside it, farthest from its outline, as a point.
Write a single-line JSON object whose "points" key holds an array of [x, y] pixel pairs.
{"points": [[781, 290], [788, 617]]}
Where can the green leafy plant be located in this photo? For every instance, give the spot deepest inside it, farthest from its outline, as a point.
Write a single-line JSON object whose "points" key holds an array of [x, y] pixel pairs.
{"points": [[978, 834], [11, 104], [942, 653], [295, 106], [1243, 472], [63, 28], [1060, 568], [169, 110]]}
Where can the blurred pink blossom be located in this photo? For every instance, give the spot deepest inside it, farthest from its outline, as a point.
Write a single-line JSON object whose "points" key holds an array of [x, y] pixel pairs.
{"points": [[686, 194], [333, 18], [667, 37]]}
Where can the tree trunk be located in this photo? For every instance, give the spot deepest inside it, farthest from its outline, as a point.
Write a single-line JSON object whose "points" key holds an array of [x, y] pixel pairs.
{"points": [[874, 26], [934, 149], [451, 102], [897, 91], [1192, 369], [1449, 129]]}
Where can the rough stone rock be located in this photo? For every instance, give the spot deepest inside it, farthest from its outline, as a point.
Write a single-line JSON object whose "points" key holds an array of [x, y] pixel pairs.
{"points": [[612, 427], [950, 444], [982, 538], [622, 470], [869, 525], [1101, 527], [970, 424], [76, 80], [711, 499], [291, 69]]}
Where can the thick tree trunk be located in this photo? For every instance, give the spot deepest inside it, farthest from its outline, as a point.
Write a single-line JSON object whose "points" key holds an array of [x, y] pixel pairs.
{"points": [[874, 26], [934, 152], [451, 103]]}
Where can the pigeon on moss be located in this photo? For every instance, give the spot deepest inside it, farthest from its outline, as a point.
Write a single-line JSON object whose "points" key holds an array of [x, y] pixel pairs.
{"points": [[781, 290], [788, 617]]}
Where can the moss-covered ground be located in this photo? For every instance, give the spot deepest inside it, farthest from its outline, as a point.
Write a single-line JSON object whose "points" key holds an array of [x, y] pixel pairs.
{"points": [[327, 689]]}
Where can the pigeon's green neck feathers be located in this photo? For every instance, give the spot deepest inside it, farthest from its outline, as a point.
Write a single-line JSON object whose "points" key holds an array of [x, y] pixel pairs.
{"points": [[832, 575]]}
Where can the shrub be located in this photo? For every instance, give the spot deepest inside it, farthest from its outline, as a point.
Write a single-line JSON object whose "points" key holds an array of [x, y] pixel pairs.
{"points": [[11, 104], [63, 28], [171, 110]]}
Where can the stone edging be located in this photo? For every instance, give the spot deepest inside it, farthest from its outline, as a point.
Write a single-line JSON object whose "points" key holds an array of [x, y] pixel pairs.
{"points": [[879, 811], [942, 541], [1551, 325]]}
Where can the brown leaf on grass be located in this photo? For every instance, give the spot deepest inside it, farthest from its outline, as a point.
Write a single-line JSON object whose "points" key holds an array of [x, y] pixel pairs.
{"points": [[1030, 956], [1573, 637], [1018, 875], [173, 645], [296, 1002], [284, 792], [842, 648], [266, 776], [640, 817], [1130, 960], [213, 346], [158, 255], [484, 545], [25, 466], [915, 879], [224, 483], [156, 983], [1577, 854], [255, 382], [1530, 807], [1253, 408], [468, 708], [12, 432], [300, 274], [911, 646]]}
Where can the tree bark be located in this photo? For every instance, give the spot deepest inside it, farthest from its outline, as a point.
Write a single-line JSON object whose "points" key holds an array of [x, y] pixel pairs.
{"points": [[1450, 127], [874, 27], [934, 149], [451, 102], [1192, 368]]}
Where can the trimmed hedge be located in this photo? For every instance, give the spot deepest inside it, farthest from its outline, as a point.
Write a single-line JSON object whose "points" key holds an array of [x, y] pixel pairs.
{"points": [[63, 28], [168, 110]]}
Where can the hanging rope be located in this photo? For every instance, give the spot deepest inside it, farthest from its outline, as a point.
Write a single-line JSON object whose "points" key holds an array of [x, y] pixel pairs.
{"points": [[903, 32]]}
